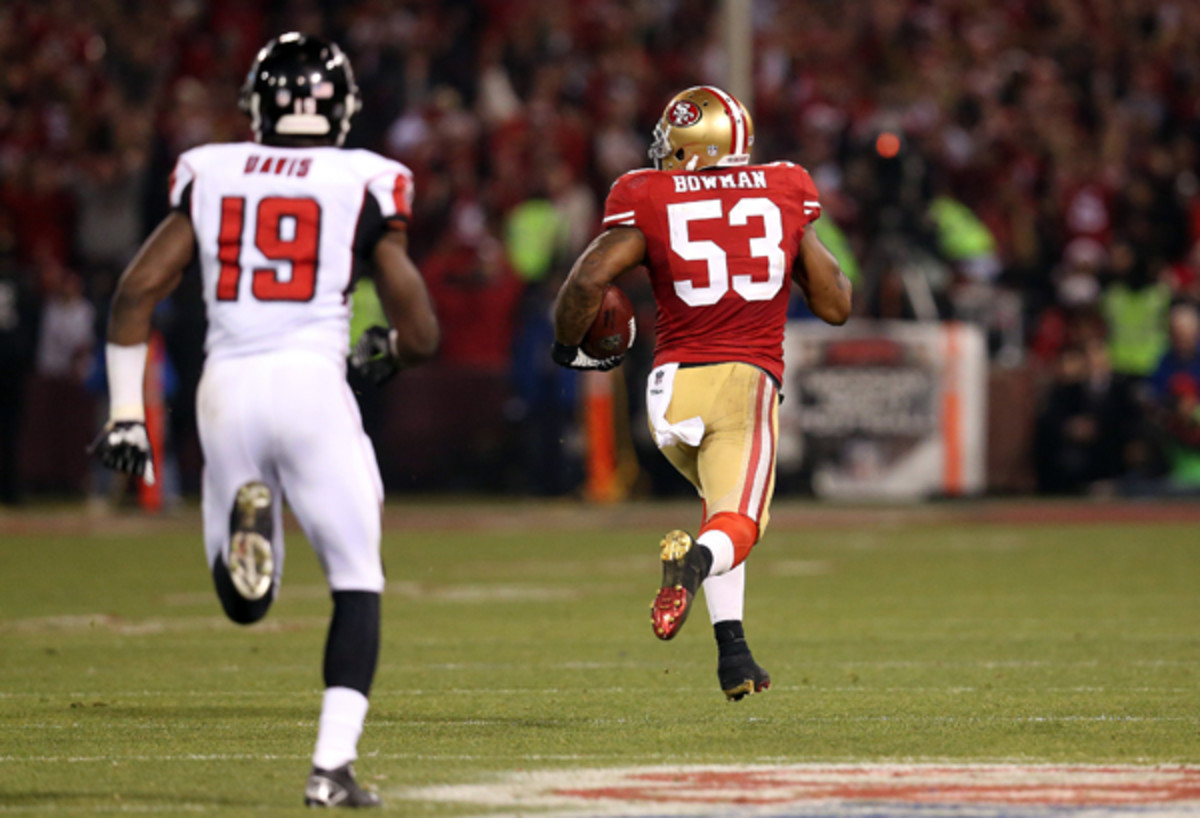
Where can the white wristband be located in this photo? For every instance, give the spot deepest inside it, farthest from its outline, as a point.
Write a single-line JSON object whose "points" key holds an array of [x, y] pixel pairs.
{"points": [[126, 372]]}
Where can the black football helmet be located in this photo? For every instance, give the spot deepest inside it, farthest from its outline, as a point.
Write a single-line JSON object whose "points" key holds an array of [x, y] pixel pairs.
{"points": [[300, 86]]}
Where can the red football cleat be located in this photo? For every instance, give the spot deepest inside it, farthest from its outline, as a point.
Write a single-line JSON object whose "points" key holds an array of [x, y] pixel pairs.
{"points": [[683, 570]]}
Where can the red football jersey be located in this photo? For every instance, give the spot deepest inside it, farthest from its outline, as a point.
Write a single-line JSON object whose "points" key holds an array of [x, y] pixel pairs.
{"points": [[720, 244]]}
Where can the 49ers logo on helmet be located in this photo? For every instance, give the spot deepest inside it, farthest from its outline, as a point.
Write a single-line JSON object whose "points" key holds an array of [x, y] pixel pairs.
{"points": [[684, 113]]}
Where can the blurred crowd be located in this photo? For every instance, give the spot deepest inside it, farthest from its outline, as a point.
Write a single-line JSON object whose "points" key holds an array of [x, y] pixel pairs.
{"points": [[1044, 184]]}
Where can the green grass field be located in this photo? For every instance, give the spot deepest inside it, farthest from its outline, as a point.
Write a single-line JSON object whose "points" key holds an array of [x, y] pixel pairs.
{"points": [[518, 638]]}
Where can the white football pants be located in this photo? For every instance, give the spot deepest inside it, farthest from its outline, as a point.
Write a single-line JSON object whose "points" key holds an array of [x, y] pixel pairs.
{"points": [[290, 420]]}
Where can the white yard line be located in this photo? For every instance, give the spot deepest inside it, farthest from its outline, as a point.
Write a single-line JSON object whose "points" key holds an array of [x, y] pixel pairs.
{"points": [[192, 757], [88, 698]]}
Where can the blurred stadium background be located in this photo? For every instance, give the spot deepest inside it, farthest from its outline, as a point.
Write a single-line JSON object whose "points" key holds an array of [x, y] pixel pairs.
{"points": [[1011, 184]]}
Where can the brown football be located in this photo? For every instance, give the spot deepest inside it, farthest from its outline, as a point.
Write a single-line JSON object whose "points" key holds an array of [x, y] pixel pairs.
{"points": [[613, 330]]}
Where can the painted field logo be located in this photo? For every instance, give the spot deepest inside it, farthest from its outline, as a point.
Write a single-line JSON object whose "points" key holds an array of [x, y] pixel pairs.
{"points": [[1075, 786], [842, 790]]}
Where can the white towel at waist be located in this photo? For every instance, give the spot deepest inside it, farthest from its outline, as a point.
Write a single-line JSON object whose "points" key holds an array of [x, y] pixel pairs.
{"points": [[659, 387]]}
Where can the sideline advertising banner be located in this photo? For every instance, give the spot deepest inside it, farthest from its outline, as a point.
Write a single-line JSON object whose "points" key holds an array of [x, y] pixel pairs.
{"points": [[885, 409]]}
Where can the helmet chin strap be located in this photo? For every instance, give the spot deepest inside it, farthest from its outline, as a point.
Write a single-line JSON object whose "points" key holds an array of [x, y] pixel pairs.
{"points": [[691, 163], [352, 106], [255, 118]]}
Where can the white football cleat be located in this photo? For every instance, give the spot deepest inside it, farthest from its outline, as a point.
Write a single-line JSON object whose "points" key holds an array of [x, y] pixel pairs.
{"points": [[337, 788]]}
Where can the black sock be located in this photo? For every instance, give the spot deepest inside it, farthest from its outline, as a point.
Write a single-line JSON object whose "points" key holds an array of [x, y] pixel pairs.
{"points": [[731, 639], [352, 647]]}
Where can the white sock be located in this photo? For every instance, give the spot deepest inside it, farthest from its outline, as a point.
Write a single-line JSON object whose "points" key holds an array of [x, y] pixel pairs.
{"points": [[718, 542], [726, 595], [343, 711]]}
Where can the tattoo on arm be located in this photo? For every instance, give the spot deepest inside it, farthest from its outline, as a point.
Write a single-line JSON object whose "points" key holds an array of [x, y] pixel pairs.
{"points": [[576, 307], [610, 254]]}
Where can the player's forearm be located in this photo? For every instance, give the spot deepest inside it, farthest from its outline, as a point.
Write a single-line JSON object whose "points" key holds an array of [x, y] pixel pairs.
{"points": [[417, 337], [130, 316], [609, 255], [132, 310], [576, 307], [819, 275], [829, 296], [406, 301]]}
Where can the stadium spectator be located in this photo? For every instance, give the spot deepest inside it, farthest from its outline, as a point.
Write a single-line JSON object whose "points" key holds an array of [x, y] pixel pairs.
{"points": [[1174, 413], [61, 410], [43, 211], [1135, 307], [1085, 425], [109, 196], [1180, 365], [1184, 276], [1073, 318], [475, 290]]}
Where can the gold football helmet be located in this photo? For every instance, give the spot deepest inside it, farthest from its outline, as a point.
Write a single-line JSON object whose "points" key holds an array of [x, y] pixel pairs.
{"points": [[702, 127]]}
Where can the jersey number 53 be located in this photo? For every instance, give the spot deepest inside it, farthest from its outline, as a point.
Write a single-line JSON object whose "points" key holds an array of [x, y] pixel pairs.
{"points": [[768, 247]]}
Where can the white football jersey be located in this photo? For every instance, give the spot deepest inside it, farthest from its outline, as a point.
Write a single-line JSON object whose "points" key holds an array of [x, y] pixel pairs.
{"points": [[278, 234]]}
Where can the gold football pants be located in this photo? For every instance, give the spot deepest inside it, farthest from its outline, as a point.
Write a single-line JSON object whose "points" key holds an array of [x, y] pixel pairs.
{"points": [[733, 467]]}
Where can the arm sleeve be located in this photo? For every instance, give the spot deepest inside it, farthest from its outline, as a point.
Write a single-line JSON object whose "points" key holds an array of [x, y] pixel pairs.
{"points": [[619, 207], [810, 201], [392, 191], [179, 188]]}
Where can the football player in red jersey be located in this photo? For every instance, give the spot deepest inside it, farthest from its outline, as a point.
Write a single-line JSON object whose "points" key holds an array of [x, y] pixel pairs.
{"points": [[723, 240]]}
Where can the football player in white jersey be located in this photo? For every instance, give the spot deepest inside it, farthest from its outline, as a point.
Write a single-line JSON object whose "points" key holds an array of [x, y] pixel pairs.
{"points": [[280, 227]]}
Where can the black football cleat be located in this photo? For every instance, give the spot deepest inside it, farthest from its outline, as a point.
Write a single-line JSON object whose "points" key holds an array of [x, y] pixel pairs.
{"points": [[683, 569], [740, 676], [251, 561], [337, 788]]}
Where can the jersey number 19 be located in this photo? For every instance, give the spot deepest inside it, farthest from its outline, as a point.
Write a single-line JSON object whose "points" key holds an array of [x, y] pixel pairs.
{"points": [[287, 230]]}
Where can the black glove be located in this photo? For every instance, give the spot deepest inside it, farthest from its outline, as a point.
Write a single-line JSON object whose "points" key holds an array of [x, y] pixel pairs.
{"points": [[374, 355], [572, 357], [124, 446]]}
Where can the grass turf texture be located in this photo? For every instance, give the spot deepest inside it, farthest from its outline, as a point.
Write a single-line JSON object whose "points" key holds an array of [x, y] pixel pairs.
{"points": [[520, 639]]}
